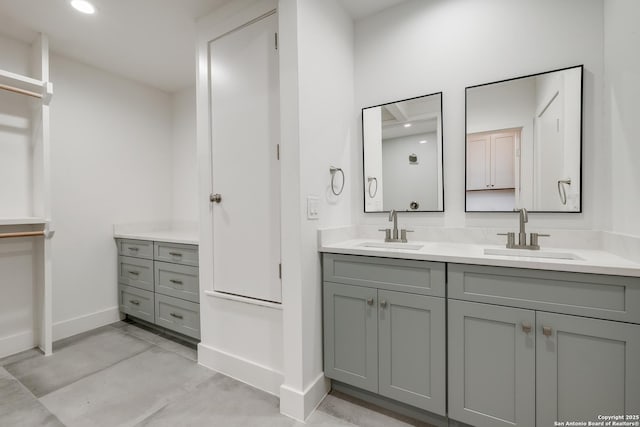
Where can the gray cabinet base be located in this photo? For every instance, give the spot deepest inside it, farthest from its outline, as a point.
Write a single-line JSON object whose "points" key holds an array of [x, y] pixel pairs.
{"points": [[191, 342], [398, 408]]}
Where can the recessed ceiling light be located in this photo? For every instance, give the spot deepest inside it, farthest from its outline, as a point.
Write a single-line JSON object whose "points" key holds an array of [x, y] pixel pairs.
{"points": [[83, 6], [407, 125], [424, 141]]}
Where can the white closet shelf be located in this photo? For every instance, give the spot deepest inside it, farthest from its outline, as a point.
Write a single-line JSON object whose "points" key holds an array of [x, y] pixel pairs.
{"points": [[26, 85], [23, 221]]}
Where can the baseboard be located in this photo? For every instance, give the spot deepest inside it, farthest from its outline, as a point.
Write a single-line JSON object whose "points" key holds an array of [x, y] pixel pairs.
{"points": [[87, 322], [16, 343], [300, 404], [236, 367]]}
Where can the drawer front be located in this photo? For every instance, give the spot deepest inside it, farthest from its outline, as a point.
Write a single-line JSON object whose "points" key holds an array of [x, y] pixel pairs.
{"points": [[590, 295], [176, 253], [178, 315], [135, 248], [135, 272], [419, 277], [180, 281], [136, 302]]}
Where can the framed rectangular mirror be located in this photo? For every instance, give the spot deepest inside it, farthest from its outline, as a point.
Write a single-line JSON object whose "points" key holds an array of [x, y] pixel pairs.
{"points": [[524, 143], [402, 148]]}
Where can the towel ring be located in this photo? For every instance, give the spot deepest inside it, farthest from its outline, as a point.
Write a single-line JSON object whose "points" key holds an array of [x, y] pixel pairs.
{"points": [[371, 180], [562, 191], [333, 171]]}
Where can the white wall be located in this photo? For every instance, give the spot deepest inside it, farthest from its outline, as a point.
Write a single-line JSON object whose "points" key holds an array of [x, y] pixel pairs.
{"points": [[405, 182], [323, 46], [111, 163], [459, 43], [622, 92], [183, 155]]}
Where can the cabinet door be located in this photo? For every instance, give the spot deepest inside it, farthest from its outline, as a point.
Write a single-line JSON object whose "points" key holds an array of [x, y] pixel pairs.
{"points": [[503, 161], [412, 343], [478, 162], [585, 368], [491, 364], [351, 335]]}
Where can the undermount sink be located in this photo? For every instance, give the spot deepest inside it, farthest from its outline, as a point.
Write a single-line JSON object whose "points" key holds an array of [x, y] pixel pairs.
{"points": [[531, 253], [391, 245]]}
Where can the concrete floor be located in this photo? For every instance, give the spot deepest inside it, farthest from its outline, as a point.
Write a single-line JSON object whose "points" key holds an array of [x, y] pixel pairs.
{"points": [[125, 375]]}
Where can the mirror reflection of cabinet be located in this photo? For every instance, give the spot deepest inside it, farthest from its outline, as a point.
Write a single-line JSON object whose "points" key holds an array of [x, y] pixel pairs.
{"points": [[491, 160]]}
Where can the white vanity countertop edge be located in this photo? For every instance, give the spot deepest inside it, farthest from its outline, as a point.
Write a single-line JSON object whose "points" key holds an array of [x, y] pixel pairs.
{"points": [[593, 261], [169, 236]]}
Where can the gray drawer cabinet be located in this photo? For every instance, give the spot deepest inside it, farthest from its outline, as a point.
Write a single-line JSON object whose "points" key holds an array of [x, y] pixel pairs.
{"points": [[158, 283], [389, 342], [525, 365]]}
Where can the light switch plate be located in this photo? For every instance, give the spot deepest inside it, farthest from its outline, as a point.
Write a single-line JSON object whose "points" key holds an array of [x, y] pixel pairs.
{"points": [[313, 207]]}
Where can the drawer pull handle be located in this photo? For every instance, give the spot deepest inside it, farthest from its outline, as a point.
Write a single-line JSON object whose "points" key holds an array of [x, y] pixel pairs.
{"points": [[134, 302], [526, 327], [133, 249], [370, 301], [135, 273], [383, 303], [176, 282], [175, 254], [547, 331], [177, 316]]}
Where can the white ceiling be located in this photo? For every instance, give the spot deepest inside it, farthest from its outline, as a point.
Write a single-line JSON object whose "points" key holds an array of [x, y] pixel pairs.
{"points": [[359, 9], [151, 41]]}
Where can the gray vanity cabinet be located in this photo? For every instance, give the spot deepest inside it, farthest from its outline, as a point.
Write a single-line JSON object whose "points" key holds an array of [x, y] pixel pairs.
{"points": [[381, 338], [585, 368], [565, 348], [351, 335], [491, 364]]}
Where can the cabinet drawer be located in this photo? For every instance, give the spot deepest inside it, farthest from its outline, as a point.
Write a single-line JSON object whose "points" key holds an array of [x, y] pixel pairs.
{"points": [[180, 281], [135, 248], [590, 295], [136, 302], [419, 277], [176, 253], [135, 272], [178, 315]]}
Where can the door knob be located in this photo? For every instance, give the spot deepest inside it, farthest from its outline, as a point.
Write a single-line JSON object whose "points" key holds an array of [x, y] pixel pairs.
{"points": [[217, 198]]}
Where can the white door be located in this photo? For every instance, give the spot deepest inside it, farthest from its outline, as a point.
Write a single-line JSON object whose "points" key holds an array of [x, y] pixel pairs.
{"points": [[246, 172], [502, 160], [478, 162]]}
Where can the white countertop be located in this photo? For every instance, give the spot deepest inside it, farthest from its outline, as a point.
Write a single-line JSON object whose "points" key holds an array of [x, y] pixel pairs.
{"points": [[592, 261], [185, 233]]}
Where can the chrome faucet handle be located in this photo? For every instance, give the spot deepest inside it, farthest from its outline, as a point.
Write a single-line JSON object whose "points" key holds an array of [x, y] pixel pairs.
{"points": [[403, 234], [387, 234], [534, 239], [511, 239]]}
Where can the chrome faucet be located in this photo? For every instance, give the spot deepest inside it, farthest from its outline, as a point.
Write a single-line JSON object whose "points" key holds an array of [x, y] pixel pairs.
{"points": [[393, 216], [522, 235], [391, 235]]}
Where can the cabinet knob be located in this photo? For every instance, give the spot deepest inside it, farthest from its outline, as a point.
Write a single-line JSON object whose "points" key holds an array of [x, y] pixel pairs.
{"points": [[215, 198], [134, 302], [383, 303], [370, 301], [526, 327], [547, 331]]}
